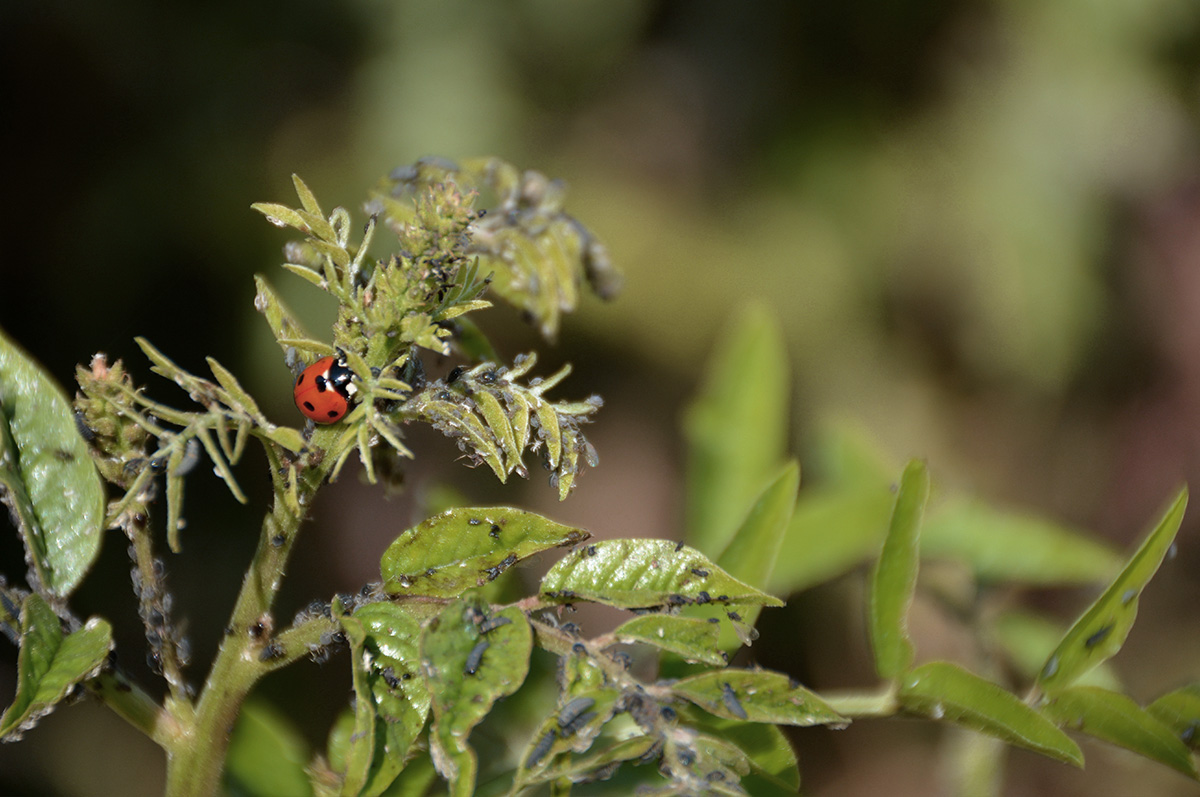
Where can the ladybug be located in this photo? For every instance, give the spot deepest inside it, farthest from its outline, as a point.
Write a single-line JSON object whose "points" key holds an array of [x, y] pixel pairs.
{"points": [[324, 390]]}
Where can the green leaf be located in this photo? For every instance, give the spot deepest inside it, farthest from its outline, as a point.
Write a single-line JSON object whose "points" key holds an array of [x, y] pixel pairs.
{"points": [[470, 660], [894, 578], [691, 638], [285, 326], [267, 755], [753, 552], [633, 574], [467, 547], [391, 702], [596, 759], [1005, 546], [756, 696], [1100, 632], [49, 664], [831, 532], [1180, 711], [767, 747], [47, 476], [940, 690], [573, 727], [1116, 719], [751, 557], [737, 428], [1027, 639]]}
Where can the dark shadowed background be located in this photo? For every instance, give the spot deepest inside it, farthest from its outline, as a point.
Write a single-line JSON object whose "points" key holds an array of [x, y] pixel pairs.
{"points": [[978, 222]]}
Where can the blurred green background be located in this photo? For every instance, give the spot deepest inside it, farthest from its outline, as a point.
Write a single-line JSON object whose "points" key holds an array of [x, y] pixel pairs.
{"points": [[978, 222]]}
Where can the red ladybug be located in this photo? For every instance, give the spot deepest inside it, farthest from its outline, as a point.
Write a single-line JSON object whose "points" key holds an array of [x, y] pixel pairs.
{"points": [[324, 390]]}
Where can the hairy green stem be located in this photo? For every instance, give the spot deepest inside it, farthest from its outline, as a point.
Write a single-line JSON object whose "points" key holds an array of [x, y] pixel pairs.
{"points": [[196, 760]]}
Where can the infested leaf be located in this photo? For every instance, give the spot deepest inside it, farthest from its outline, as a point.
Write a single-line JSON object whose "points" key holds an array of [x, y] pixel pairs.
{"points": [[691, 638], [1101, 631], [1180, 711], [50, 663], [467, 547], [756, 696], [472, 670], [1116, 719], [643, 573]]}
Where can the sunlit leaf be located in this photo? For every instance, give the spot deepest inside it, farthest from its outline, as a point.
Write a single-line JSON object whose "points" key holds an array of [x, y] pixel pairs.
{"points": [[736, 429], [691, 638], [941, 690], [267, 755], [391, 702], [467, 547], [471, 661], [49, 663], [47, 477], [1116, 719], [1102, 629], [756, 696], [894, 578], [643, 573]]}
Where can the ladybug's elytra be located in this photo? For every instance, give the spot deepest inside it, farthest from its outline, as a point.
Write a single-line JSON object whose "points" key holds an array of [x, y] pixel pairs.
{"points": [[324, 390]]}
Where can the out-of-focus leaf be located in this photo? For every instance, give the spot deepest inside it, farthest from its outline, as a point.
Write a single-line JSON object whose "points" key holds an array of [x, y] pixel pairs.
{"points": [[471, 661], [736, 429], [753, 553], [467, 547], [690, 638], [831, 532], [1180, 711], [47, 476], [894, 578], [49, 664], [1028, 639], [635, 574], [267, 755], [1102, 629], [1116, 719], [1004, 546], [756, 696], [940, 690]]}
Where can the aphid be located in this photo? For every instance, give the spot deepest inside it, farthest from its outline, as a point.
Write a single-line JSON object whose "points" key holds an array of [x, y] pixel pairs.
{"points": [[475, 657], [732, 704]]}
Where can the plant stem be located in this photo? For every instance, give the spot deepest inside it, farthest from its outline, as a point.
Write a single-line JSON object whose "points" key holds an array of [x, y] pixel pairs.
{"points": [[196, 760]]}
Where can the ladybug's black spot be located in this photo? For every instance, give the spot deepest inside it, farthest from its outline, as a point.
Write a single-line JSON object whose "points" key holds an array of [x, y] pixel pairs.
{"points": [[322, 386], [332, 413], [300, 380], [308, 405]]}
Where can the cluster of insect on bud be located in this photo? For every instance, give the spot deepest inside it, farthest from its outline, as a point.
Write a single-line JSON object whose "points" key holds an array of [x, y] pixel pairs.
{"points": [[494, 419]]}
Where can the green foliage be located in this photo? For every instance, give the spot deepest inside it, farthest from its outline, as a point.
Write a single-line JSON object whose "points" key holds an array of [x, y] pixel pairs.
{"points": [[1101, 631], [941, 690], [895, 576], [437, 657], [47, 477], [51, 663]]}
